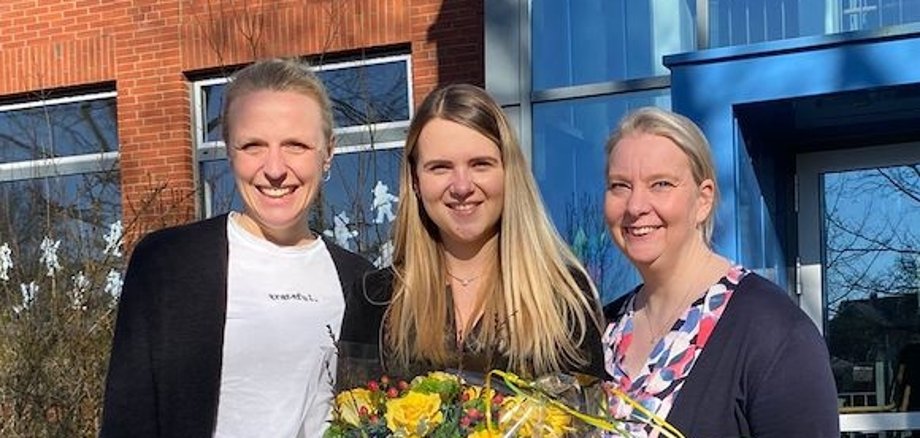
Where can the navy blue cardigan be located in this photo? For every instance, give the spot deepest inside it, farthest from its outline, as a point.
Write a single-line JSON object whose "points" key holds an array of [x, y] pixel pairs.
{"points": [[764, 372], [164, 371]]}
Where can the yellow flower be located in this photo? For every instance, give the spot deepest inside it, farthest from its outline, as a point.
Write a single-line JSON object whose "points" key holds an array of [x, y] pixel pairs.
{"points": [[484, 433], [350, 403], [414, 415], [530, 418]]}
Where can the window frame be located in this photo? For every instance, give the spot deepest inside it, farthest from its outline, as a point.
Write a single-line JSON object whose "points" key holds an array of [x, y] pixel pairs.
{"points": [[214, 150], [59, 166]]}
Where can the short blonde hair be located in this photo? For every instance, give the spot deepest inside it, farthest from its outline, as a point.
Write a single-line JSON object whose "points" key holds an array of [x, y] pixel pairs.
{"points": [[278, 75], [686, 135]]}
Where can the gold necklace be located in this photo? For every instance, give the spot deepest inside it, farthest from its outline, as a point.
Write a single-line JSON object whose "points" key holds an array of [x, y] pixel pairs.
{"points": [[656, 335], [463, 281]]}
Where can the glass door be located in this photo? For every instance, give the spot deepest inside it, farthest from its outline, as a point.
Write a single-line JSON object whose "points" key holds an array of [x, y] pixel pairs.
{"points": [[859, 280]]}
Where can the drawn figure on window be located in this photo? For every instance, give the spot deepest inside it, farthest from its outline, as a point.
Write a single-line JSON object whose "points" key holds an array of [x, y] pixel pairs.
{"points": [[341, 230], [386, 255], [383, 203]]}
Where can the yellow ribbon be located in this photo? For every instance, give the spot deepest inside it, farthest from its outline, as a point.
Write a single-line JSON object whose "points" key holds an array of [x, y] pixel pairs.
{"points": [[516, 383]]}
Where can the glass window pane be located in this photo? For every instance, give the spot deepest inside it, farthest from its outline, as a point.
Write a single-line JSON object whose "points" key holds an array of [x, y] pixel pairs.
{"points": [[585, 41], [212, 98], [569, 162], [360, 201], [75, 209], [872, 283], [57, 130], [361, 95], [368, 94], [752, 21]]}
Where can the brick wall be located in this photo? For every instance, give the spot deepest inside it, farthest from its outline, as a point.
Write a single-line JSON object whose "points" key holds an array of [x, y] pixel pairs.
{"points": [[146, 47]]}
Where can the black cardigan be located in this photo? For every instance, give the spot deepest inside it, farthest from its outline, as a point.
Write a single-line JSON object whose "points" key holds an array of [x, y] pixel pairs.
{"points": [[764, 372], [364, 313], [164, 371]]}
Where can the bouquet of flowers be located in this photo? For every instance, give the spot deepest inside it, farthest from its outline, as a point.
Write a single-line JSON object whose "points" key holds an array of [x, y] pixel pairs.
{"points": [[442, 405]]}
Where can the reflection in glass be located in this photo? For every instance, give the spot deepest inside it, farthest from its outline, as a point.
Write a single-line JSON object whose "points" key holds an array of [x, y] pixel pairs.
{"points": [[361, 95], [75, 209], [872, 282], [752, 21], [579, 42], [58, 130], [569, 163], [367, 94]]}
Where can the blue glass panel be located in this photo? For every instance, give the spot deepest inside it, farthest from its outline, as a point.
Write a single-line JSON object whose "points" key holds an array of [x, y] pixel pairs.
{"points": [[360, 94], [75, 209], [569, 163], [374, 93], [58, 130], [586, 41], [751, 21], [871, 272], [356, 211], [349, 195]]}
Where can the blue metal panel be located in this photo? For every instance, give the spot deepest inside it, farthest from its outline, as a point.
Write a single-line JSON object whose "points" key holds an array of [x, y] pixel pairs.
{"points": [[707, 86]]}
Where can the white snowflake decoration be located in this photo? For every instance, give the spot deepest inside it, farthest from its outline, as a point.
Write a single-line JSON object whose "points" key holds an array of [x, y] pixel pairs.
{"points": [[28, 292], [113, 283], [386, 255], [6, 262], [113, 239], [49, 256], [341, 230], [78, 293], [383, 203]]}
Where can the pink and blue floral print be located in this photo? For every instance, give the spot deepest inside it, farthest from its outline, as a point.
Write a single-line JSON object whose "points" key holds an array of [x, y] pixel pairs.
{"points": [[672, 358]]}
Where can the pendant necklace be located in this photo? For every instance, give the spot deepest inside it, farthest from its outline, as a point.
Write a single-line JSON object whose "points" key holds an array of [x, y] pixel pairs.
{"points": [[463, 281]]}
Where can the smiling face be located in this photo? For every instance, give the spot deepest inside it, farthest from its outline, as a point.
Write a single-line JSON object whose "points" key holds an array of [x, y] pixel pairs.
{"points": [[653, 206], [278, 153], [459, 176]]}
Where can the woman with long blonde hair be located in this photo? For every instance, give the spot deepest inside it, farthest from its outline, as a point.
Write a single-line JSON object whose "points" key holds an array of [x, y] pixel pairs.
{"points": [[480, 278]]}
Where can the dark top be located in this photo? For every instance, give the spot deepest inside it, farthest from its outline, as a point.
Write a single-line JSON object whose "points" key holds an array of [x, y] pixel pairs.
{"points": [[764, 372], [164, 372], [362, 337]]}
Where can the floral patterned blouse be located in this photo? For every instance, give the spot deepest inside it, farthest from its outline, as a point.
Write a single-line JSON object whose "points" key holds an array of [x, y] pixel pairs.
{"points": [[657, 384]]}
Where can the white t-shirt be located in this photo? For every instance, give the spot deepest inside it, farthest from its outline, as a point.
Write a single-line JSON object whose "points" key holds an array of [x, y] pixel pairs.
{"points": [[279, 359]]}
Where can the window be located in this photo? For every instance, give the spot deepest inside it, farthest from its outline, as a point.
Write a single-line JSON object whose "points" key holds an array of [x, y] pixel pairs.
{"points": [[579, 42], [569, 162], [59, 185], [372, 108], [753, 21]]}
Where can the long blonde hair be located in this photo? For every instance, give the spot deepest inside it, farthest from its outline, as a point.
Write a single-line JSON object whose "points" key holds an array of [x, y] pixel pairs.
{"points": [[534, 308]]}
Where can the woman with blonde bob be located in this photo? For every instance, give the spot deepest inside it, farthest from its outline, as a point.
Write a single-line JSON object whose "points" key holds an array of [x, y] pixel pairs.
{"points": [[480, 278], [712, 347]]}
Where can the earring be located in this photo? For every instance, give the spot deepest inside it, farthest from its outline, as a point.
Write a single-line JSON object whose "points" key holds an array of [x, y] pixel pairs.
{"points": [[327, 175]]}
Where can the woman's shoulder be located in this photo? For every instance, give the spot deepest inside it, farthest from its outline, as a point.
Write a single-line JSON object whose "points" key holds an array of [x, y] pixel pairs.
{"points": [[765, 300], [182, 238], [760, 306]]}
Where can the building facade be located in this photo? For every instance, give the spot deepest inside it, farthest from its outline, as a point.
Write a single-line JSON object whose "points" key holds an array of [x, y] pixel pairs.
{"points": [[811, 108], [109, 111]]}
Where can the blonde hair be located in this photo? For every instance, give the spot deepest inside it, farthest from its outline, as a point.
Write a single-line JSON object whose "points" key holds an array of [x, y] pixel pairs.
{"points": [[279, 75], [533, 284], [686, 135]]}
